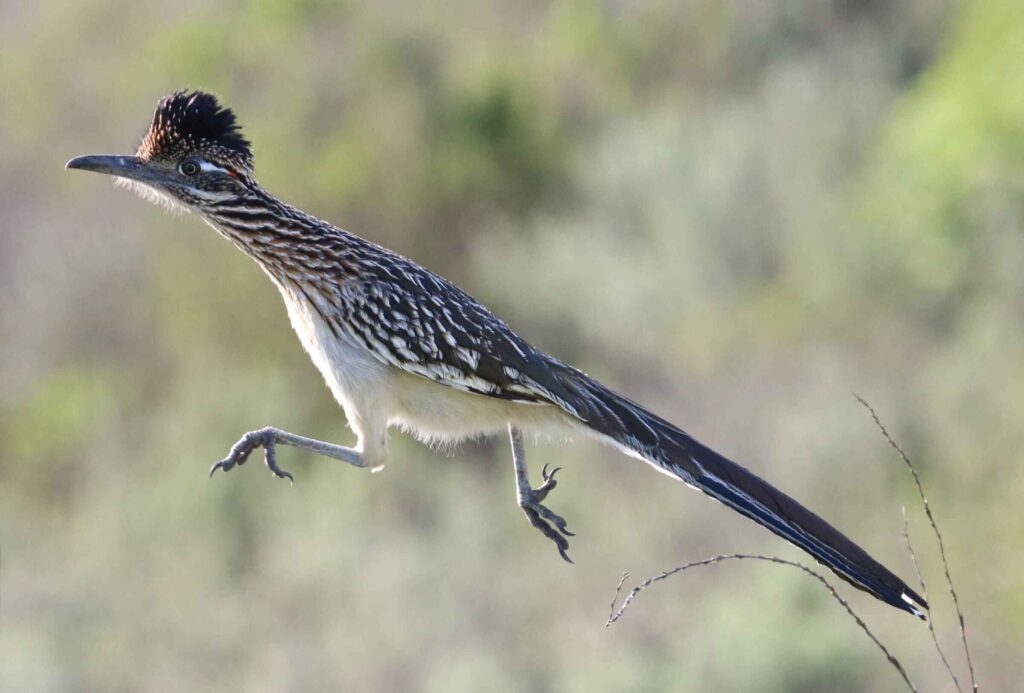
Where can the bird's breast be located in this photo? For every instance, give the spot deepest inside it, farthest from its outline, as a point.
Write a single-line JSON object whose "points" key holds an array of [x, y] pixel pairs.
{"points": [[354, 375]]}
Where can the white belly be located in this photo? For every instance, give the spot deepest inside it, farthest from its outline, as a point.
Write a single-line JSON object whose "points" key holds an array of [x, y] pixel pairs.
{"points": [[376, 395], [359, 381]]}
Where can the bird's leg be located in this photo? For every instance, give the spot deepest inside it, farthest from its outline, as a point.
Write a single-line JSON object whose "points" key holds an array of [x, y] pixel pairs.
{"points": [[530, 498], [268, 438]]}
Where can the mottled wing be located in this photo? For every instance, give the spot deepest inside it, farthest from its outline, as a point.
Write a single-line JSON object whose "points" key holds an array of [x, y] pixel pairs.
{"points": [[419, 322]]}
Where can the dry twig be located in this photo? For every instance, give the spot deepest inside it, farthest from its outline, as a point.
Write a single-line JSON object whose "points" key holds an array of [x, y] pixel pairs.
{"points": [[614, 615], [928, 609], [935, 529]]}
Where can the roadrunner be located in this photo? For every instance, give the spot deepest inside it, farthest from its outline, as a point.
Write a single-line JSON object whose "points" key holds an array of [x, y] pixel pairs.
{"points": [[400, 346]]}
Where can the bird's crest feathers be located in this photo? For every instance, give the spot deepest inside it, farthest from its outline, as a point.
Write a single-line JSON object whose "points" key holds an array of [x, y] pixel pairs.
{"points": [[189, 122]]}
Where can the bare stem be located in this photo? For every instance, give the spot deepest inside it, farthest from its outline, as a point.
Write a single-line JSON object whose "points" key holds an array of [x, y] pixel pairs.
{"points": [[928, 609], [614, 615], [938, 535]]}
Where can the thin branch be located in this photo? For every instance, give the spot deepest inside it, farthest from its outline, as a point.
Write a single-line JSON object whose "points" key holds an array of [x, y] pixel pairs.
{"points": [[938, 535], [615, 598], [614, 615], [928, 609]]}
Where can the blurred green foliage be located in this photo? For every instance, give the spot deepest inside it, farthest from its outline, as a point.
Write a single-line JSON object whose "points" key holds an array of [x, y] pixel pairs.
{"points": [[735, 213]]}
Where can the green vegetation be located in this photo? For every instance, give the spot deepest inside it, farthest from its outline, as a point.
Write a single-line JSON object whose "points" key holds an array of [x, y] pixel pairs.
{"points": [[734, 213]]}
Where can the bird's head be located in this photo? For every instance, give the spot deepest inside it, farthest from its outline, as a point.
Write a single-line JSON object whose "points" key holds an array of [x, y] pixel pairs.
{"points": [[193, 155]]}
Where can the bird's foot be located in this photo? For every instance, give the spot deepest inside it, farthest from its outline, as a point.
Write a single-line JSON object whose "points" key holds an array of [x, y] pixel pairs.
{"points": [[542, 518], [265, 438]]}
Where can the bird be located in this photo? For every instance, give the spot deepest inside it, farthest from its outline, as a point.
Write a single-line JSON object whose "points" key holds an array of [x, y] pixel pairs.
{"points": [[400, 346]]}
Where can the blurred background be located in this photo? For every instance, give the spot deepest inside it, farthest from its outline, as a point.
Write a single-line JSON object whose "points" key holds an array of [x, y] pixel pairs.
{"points": [[735, 213]]}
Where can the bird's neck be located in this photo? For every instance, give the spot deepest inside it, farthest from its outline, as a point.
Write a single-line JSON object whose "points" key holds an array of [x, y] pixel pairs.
{"points": [[289, 244]]}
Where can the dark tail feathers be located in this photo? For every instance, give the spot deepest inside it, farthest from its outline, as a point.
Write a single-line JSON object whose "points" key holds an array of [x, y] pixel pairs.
{"points": [[672, 450]]}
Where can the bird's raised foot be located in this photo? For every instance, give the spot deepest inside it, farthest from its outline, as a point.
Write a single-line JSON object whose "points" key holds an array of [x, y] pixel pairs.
{"points": [[542, 517], [265, 438], [542, 491]]}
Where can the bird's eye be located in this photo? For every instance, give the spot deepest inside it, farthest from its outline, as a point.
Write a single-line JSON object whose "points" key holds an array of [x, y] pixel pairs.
{"points": [[189, 167]]}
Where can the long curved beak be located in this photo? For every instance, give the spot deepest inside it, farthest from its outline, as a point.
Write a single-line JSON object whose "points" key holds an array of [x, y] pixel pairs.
{"points": [[122, 166]]}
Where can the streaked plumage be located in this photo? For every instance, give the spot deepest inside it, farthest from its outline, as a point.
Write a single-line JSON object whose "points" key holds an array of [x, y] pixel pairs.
{"points": [[399, 345]]}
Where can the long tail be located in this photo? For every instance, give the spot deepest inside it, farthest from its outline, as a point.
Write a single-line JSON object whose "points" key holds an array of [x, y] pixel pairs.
{"points": [[663, 445]]}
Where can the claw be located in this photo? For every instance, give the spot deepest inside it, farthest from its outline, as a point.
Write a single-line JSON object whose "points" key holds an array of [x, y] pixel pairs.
{"points": [[557, 520], [543, 518], [236, 458], [226, 465], [534, 513], [242, 449], [550, 476], [270, 457], [541, 492]]}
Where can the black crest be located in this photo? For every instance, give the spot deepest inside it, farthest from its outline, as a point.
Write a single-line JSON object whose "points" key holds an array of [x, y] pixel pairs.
{"points": [[191, 121]]}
